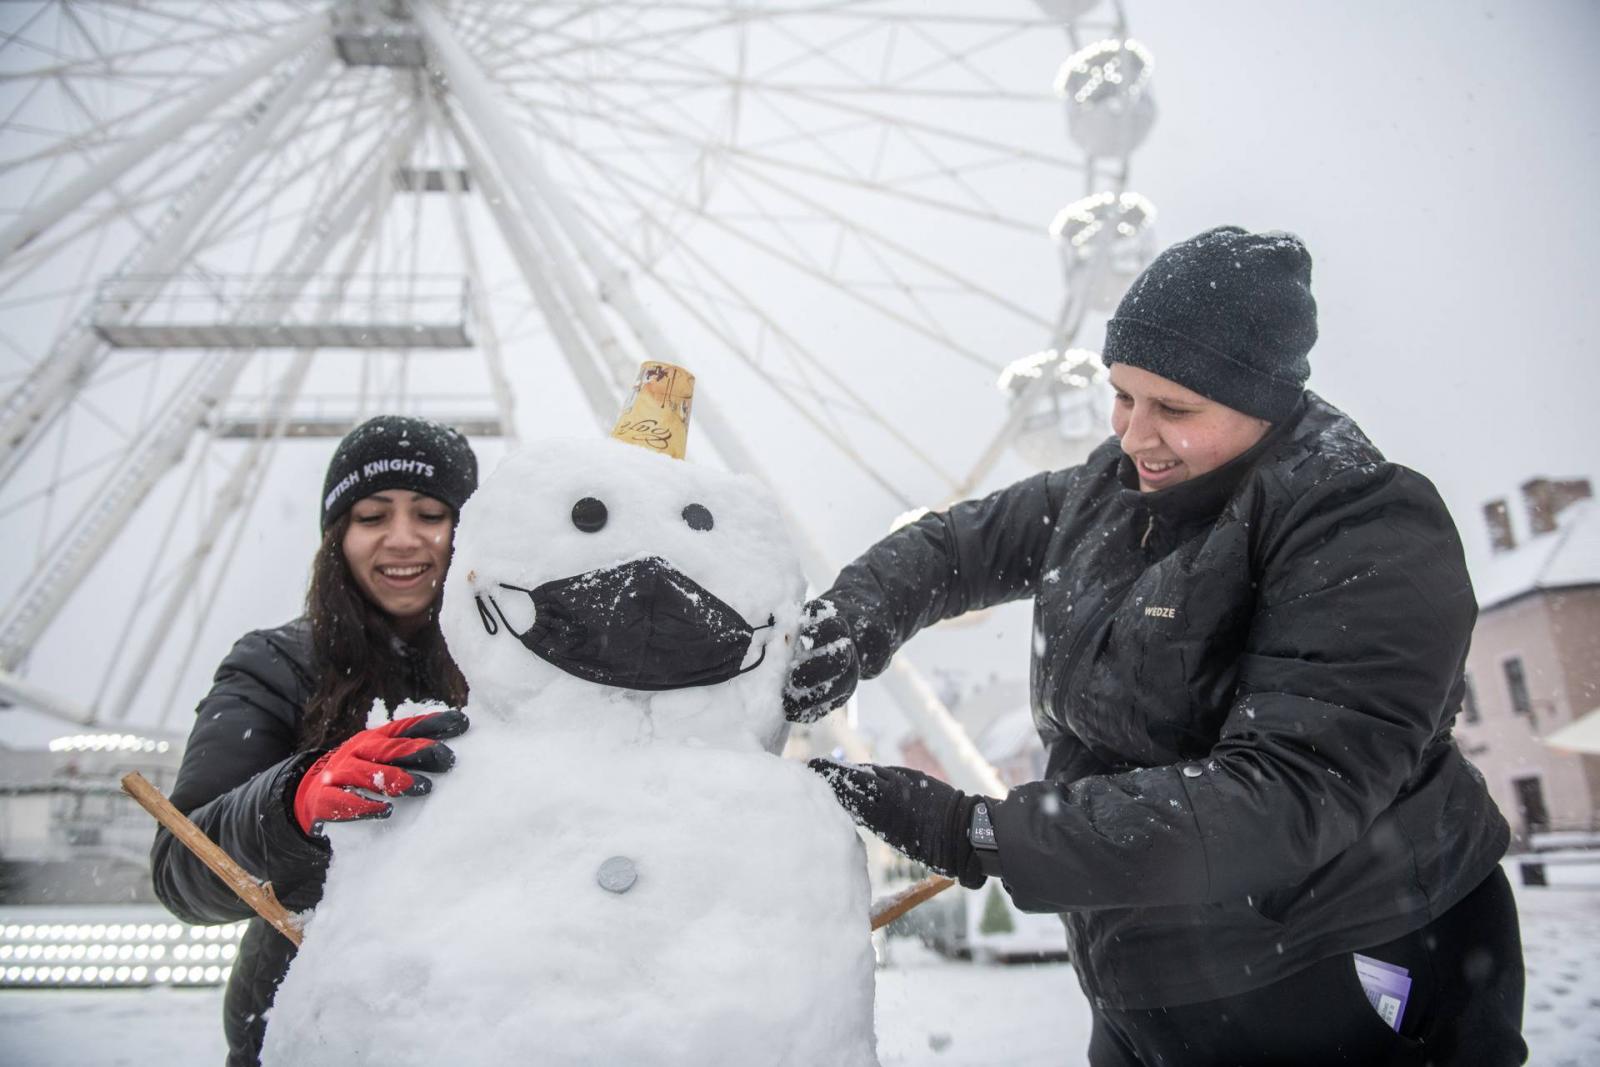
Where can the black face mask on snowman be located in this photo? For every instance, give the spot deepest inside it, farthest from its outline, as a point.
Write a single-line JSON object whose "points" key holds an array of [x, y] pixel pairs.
{"points": [[642, 625]]}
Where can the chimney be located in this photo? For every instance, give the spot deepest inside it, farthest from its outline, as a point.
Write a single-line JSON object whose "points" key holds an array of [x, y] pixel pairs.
{"points": [[1546, 499], [1498, 518]]}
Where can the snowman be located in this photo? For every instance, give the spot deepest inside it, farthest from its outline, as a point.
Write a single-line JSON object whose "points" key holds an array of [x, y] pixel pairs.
{"points": [[619, 869]]}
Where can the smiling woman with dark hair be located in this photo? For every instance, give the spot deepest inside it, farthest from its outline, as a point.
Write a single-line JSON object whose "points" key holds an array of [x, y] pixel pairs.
{"points": [[1249, 635], [281, 743]]}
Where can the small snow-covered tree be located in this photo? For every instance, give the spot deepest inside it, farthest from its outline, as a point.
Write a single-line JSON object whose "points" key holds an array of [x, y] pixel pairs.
{"points": [[996, 916]]}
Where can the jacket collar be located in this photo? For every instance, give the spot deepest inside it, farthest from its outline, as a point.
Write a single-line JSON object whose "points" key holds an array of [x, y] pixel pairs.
{"points": [[1203, 498]]}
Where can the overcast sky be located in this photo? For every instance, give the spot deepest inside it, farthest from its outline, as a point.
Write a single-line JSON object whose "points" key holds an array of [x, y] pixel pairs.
{"points": [[1439, 158]]}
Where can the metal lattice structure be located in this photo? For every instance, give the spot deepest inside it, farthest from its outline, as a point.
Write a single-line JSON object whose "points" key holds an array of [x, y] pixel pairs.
{"points": [[226, 227]]}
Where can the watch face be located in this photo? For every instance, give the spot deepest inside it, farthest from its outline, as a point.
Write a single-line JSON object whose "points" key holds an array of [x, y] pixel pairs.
{"points": [[981, 832]]}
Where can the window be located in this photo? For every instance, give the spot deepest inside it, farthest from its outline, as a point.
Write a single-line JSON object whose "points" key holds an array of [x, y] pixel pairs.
{"points": [[1517, 686], [1469, 702]]}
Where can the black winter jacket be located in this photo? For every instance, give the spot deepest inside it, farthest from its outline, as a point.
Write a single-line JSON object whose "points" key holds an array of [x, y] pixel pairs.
{"points": [[237, 783], [1245, 685]]}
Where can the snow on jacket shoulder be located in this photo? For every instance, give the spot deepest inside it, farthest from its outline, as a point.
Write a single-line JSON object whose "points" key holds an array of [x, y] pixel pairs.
{"points": [[1245, 686]]}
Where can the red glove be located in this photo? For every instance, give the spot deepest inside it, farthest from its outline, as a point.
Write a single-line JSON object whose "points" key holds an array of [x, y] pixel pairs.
{"points": [[380, 761]]}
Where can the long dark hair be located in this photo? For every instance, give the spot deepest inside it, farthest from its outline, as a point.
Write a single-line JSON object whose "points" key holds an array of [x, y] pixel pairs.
{"points": [[357, 657]]}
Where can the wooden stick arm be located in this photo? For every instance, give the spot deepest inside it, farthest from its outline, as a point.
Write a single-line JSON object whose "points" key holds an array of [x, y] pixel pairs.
{"points": [[890, 908], [256, 894]]}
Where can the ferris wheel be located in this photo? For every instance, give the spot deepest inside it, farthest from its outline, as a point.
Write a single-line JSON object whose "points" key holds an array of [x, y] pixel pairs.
{"points": [[225, 228]]}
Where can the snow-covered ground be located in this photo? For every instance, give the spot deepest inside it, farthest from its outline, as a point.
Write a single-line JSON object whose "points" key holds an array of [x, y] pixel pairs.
{"points": [[931, 1011]]}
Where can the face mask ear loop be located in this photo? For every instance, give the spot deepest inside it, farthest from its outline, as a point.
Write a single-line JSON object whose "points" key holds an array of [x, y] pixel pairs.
{"points": [[483, 615], [771, 621], [509, 629], [759, 659]]}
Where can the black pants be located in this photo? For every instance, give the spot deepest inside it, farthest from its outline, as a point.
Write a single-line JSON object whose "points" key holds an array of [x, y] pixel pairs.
{"points": [[1465, 1006]]}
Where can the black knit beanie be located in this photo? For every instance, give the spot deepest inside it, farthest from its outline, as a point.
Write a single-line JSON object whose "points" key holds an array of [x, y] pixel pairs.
{"points": [[1228, 314], [399, 452]]}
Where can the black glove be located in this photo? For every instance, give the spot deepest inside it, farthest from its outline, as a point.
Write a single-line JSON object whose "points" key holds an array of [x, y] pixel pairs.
{"points": [[825, 669], [918, 816]]}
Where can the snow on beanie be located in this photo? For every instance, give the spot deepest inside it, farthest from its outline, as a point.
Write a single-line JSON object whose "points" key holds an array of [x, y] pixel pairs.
{"points": [[1228, 314], [399, 452]]}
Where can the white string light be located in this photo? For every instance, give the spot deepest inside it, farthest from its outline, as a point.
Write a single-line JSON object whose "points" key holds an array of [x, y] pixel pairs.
{"points": [[107, 743], [113, 954]]}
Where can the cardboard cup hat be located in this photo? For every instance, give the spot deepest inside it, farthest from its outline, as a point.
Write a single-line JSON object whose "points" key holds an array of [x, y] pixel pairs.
{"points": [[656, 416]]}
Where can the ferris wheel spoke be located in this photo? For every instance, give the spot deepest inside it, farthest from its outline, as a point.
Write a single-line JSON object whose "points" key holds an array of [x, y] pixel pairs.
{"points": [[259, 190], [150, 585], [853, 81], [100, 135], [10, 121], [533, 79], [367, 111], [484, 30], [825, 52], [58, 480], [899, 186], [875, 240], [917, 25], [820, 97], [738, 349], [114, 189], [802, 263], [193, 49], [17, 38], [680, 295], [44, 251], [805, 362], [742, 154], [869, 10], [665, 38], [819, 401], [817, 208], [869, 114], [128, 15], [960, 57], [40, 217], [76, 22], [102, 132]]}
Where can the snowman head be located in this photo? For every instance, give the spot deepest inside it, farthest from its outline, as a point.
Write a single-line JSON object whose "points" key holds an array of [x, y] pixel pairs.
{"points": [[599, 589]]}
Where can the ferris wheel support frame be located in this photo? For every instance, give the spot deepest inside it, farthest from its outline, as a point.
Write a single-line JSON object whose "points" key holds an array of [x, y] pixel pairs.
{"points": [[537, 193], [488, 336], [597, 390], [35, 403], [102, 517], [23, 693], [539, 197], [34, 221]]}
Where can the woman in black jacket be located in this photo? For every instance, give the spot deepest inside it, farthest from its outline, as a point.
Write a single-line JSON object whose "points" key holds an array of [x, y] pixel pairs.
{"points": [[1249, 635], [283, 738]]}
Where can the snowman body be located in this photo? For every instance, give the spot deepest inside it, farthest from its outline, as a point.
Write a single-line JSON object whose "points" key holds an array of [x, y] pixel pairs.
{"points": [[618, 869]]}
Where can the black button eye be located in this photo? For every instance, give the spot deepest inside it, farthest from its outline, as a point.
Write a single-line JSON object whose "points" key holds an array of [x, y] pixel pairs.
{"points": [[589, 514], [697, 517]]}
